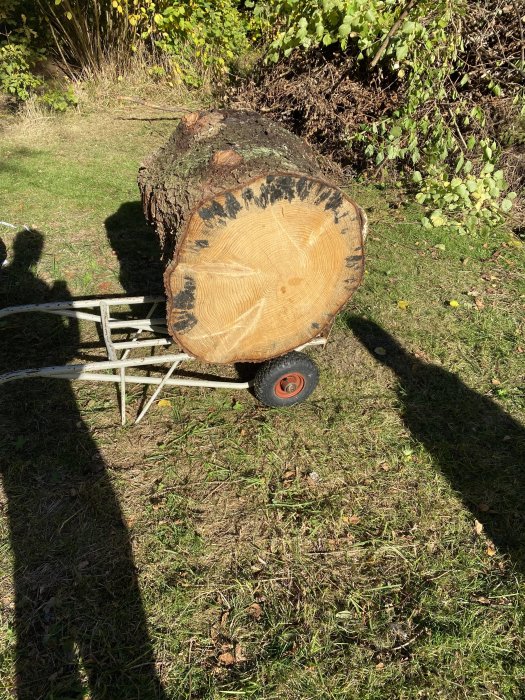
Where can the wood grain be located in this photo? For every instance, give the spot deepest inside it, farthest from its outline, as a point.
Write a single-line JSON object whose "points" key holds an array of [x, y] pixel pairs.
{"points": [[264, 268]]}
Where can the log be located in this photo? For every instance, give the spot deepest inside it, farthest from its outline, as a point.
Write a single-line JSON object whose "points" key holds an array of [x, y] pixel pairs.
{"points": [[260, 250]]}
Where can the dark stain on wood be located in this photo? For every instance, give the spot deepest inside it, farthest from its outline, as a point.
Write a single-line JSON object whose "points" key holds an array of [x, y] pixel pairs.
{"points": [[202, 243], [275, 189], [231, 206], [248, 197], [183, 320], [185, 299], [353, 261], [212, 211], [323, 192], [334, 201], [303, 188]]}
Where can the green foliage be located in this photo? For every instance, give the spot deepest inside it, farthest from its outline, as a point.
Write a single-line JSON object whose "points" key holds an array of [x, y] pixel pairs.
{"points": [[211, 32], [437, 127], [17, 61], [59, 100], [308, 23], [196, 34]]}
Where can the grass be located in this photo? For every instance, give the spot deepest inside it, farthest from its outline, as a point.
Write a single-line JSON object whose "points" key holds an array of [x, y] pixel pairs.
{"points": [[366, 544]]}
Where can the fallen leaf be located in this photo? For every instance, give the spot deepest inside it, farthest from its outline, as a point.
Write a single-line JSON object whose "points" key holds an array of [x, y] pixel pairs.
{"points": [[454, 303], [483, 600], [227, 658], [164, 403], [479, 303], [478, 527], [380, 351], [402, 304], [491, 550], [239, 654], [495, 382], [255, 611]]}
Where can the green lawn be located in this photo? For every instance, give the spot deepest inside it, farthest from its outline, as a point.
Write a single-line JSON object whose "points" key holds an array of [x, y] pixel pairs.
{"points": [[368, 544]]}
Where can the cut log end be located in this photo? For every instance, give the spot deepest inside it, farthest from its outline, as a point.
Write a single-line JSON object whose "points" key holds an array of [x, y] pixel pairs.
{"points": [[264, 268]]}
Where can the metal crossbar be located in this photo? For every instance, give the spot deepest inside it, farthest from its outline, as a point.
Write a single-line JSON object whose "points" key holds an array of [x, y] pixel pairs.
{"points": [[115, 368]]}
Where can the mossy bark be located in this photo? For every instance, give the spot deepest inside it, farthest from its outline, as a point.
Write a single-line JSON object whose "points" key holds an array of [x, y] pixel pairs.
{"points": [[208, 153]]}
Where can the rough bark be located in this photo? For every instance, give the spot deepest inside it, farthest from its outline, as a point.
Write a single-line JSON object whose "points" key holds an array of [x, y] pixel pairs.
{"points": [[249, 230]]}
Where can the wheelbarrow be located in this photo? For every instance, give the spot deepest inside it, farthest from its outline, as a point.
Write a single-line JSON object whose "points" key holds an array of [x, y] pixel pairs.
{"points": [[283, 381]]}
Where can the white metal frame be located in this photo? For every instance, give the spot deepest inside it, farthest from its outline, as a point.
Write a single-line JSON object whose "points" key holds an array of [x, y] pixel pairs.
{"points": [[99, 311]]}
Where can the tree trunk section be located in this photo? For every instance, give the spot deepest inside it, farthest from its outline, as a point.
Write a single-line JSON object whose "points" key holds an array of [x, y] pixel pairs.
{"points": [[260, 251]]}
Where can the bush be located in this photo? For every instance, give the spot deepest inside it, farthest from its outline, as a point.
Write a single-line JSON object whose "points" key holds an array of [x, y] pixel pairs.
{"points": [[17, 62], [439, 126], [211, 33], [195, 33]]}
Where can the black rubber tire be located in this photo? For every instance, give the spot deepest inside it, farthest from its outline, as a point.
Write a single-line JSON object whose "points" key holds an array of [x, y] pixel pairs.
{"points": [[267, 387]]}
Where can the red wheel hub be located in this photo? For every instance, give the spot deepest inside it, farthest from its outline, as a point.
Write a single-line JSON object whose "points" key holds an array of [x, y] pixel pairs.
{"points": [[289, 385]]}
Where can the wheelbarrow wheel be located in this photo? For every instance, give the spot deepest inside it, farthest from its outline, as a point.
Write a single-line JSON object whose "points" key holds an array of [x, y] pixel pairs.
{"points": [[286, 380]]}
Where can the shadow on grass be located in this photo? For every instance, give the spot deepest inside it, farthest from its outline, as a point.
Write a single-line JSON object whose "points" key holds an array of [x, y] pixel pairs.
{"points": [[79, 621], [478, 447], [137, 250]]}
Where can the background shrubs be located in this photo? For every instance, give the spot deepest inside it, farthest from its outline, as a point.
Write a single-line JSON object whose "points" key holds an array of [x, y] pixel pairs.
{"points": [[430, 93]]}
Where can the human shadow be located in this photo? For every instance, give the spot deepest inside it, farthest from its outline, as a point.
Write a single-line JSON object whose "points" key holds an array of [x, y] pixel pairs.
{"points": [[478, 447], [78, 615], [137, 249]]}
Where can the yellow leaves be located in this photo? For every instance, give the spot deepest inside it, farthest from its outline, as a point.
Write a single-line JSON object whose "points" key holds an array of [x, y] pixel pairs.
{"points": [[490, 549], [351, 519], [164, 403], [403, 304], [453, 303]]}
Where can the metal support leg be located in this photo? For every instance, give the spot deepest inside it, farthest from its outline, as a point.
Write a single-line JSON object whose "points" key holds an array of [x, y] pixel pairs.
{"points": [[157, 391]]}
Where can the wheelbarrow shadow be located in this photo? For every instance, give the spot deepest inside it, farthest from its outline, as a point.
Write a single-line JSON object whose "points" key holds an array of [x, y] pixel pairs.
{"points": [[77, 610], [478, 447]]}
